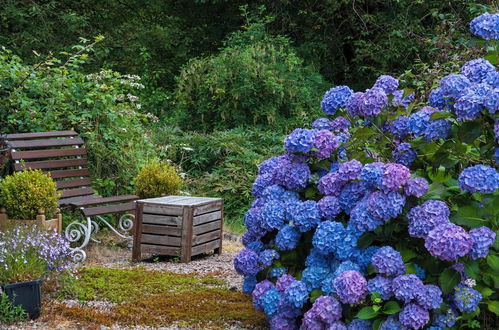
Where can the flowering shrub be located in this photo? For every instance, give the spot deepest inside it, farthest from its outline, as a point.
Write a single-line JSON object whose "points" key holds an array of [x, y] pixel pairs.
{"points": [[29, 253], [156, 179], [391, 222]]}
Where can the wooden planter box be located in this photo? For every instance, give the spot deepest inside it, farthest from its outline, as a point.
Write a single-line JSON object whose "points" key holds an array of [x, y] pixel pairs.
{"points": [[55, 223], [178, 226]]}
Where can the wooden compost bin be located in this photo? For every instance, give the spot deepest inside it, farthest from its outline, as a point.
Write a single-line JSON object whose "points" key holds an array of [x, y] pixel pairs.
{"points": [[178, 226]]}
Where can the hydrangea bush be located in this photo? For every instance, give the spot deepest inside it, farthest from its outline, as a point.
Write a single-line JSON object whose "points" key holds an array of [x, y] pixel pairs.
{"points": [[384, 214]]}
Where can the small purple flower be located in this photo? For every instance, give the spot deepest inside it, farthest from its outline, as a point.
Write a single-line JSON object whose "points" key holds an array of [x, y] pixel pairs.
{"points": [[479, 178], [388, 261], [427, 216], [326, 309], [447, 319], [353, 104], [322, 123], [350, 170], [362, 219], [329, 207], [437, 99], [340, 124], [468, 105], [331, 184], [372, 173], [400, 127], [296, 294], [387, 83], [482, 238], [385, 206], [394, 177], [372, 102], [417, 187], [335, 98], [407, 287], [448, 242], [430, 297], [437, 129], [453, 84], [414, 316], [350, 194], [246, 262], [359, 324], [292, 175], [351, 287], [486, 26], [381, 285], [325, 143], [260, 289], [284, 282]]}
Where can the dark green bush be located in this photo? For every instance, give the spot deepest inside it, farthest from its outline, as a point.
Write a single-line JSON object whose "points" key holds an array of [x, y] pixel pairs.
{"points": [[255, 79], [156, 179]]}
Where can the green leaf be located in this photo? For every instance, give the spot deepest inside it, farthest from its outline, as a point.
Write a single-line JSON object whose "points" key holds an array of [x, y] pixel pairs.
{"points": [[435, 190], [407, 254], [493, 262], [469, 131], [472, 268], [391, 307], [366, 313], [467, 216], [315, 294], [440, 115], [375, 296], [486, 291], [448, 280], [377, 324], [493, 306]]}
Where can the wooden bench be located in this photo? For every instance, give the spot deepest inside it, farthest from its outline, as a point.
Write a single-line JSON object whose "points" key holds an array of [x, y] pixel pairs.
{"points": [[63, 156]]}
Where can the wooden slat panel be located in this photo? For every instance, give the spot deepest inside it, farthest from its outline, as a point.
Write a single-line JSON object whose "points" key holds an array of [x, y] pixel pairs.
{"points": [[73, 183], [68, 201], [48, 153], [114, 199], [165, 201], [161, 230], [198, 230], [68, 173], [161, 240], [205, 247], [208, 208], [159, 249], [161, 219], [207, 217], [37, 135], [108, 209], [158, 209], [45, 164], [199, 239], [77, 192], [21, 144]]}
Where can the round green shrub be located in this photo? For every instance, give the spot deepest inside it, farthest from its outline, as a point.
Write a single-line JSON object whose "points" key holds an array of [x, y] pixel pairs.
{"points": [[26, 192], [156, 179]]}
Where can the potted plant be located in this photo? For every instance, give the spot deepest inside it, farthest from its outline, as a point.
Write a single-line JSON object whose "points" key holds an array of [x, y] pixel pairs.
{"points": [[29, 254], [29, 196]]}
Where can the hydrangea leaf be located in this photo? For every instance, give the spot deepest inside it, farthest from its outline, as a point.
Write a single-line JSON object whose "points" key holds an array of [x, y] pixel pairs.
{"points": [[493, 262], [315, 294], [472, 268], [469, 131], [493, 306], [440, 115], [366, 313], [448, 280], [391, 307], [468, 216]]}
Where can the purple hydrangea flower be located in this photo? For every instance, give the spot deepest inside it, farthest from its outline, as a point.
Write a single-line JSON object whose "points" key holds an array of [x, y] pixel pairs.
{"points": [[372, 173], [417, 187], [268, 165], [400, 127], [329, 207], [482, 238], [448, 242], [387, 83], [476, 70], [350, 194], [437, 129], [361, 219], [414, 316], [292, 175], [261, 183], [296, 294], [392, 323], [486, 26], [407, 287], [427, 216], [381, 285], [325, 143], [447, 319], [317, 258], [419, 121], [372, 102], [269, 301], [353, 104], [284, 282], [404, 154], [300, 140], [310, 322], [337, 325], [394, 177], [491, 101], [340, 124], [363, 257], [249, 284], [246, 262], [465, 298], [306, 216], [388, 261], [260, 289], [253, 222], [351, 287], [326, 309], [492, 79], [331, 184], [287, 238], [385, 206], [321, 123], [278, 322], [350, 170], [468, 105], [481, 178], [430, 297], [359, 324], [402, 102], [335, 98], [453, 84]]}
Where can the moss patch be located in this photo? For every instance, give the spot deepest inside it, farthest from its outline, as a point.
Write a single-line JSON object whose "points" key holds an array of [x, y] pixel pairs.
{"points": [[156, 298]]}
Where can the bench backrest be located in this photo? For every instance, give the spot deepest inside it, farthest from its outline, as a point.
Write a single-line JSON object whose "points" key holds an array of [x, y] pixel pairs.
{"points": [[61, 153]]}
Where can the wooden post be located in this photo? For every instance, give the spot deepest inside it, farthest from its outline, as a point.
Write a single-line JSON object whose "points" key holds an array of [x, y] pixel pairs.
{"points": [[136, 252], [59, 220], [187, 224], [219, 249], [40, 217], [3, 218]]}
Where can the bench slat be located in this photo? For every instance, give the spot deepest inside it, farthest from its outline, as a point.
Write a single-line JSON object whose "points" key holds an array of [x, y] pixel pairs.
{"points": [[37, 135], [21, 144], [68, 173], [46, 164], [114, 199], [77, 192], [48, 153], [73, 183], [99, 210]]}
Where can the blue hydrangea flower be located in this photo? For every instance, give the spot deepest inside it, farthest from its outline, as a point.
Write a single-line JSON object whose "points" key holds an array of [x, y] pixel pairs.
{"points": [[300, 140], [327, 284], [329, 207], [468, 105], [437, 129], [287, 238], [486, 26], [482, 238], [313, 277], [337, 325], [453, 84], [292, 175], [418, 121], [347, 246], [251, 242], [321, 123], [400, 127], [359, 324], [465, 298], [262, 182], [361, 219], [385, 206], [340, 124], [476, 70], [417, 187], [372, 173], [345, 266], [249, 284], [288, 310], [253, 222], [387, 83], [430, 297], [407, 287], [351, 287], [491, 101], [273, 215], [260, 289], [335, 98], [266, 257], [353, 104], [284, 282], [447, 319], [398, 101], [404, 154], [448, 242], [364, 257], [420, 272], [246, 262], [437, 99], [277, 272], [350, 195], [414, 316], [296, 294], [427, 216], [268, 165], [394, 177], [306, 216], [325, 143], [388, 261], [273, 192], [331, 184], [492, 79], [269, 302], [372, 102], [381, 285], [481, 178], [317, 258], [327, 236], [350, 170], [392, 323]]}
